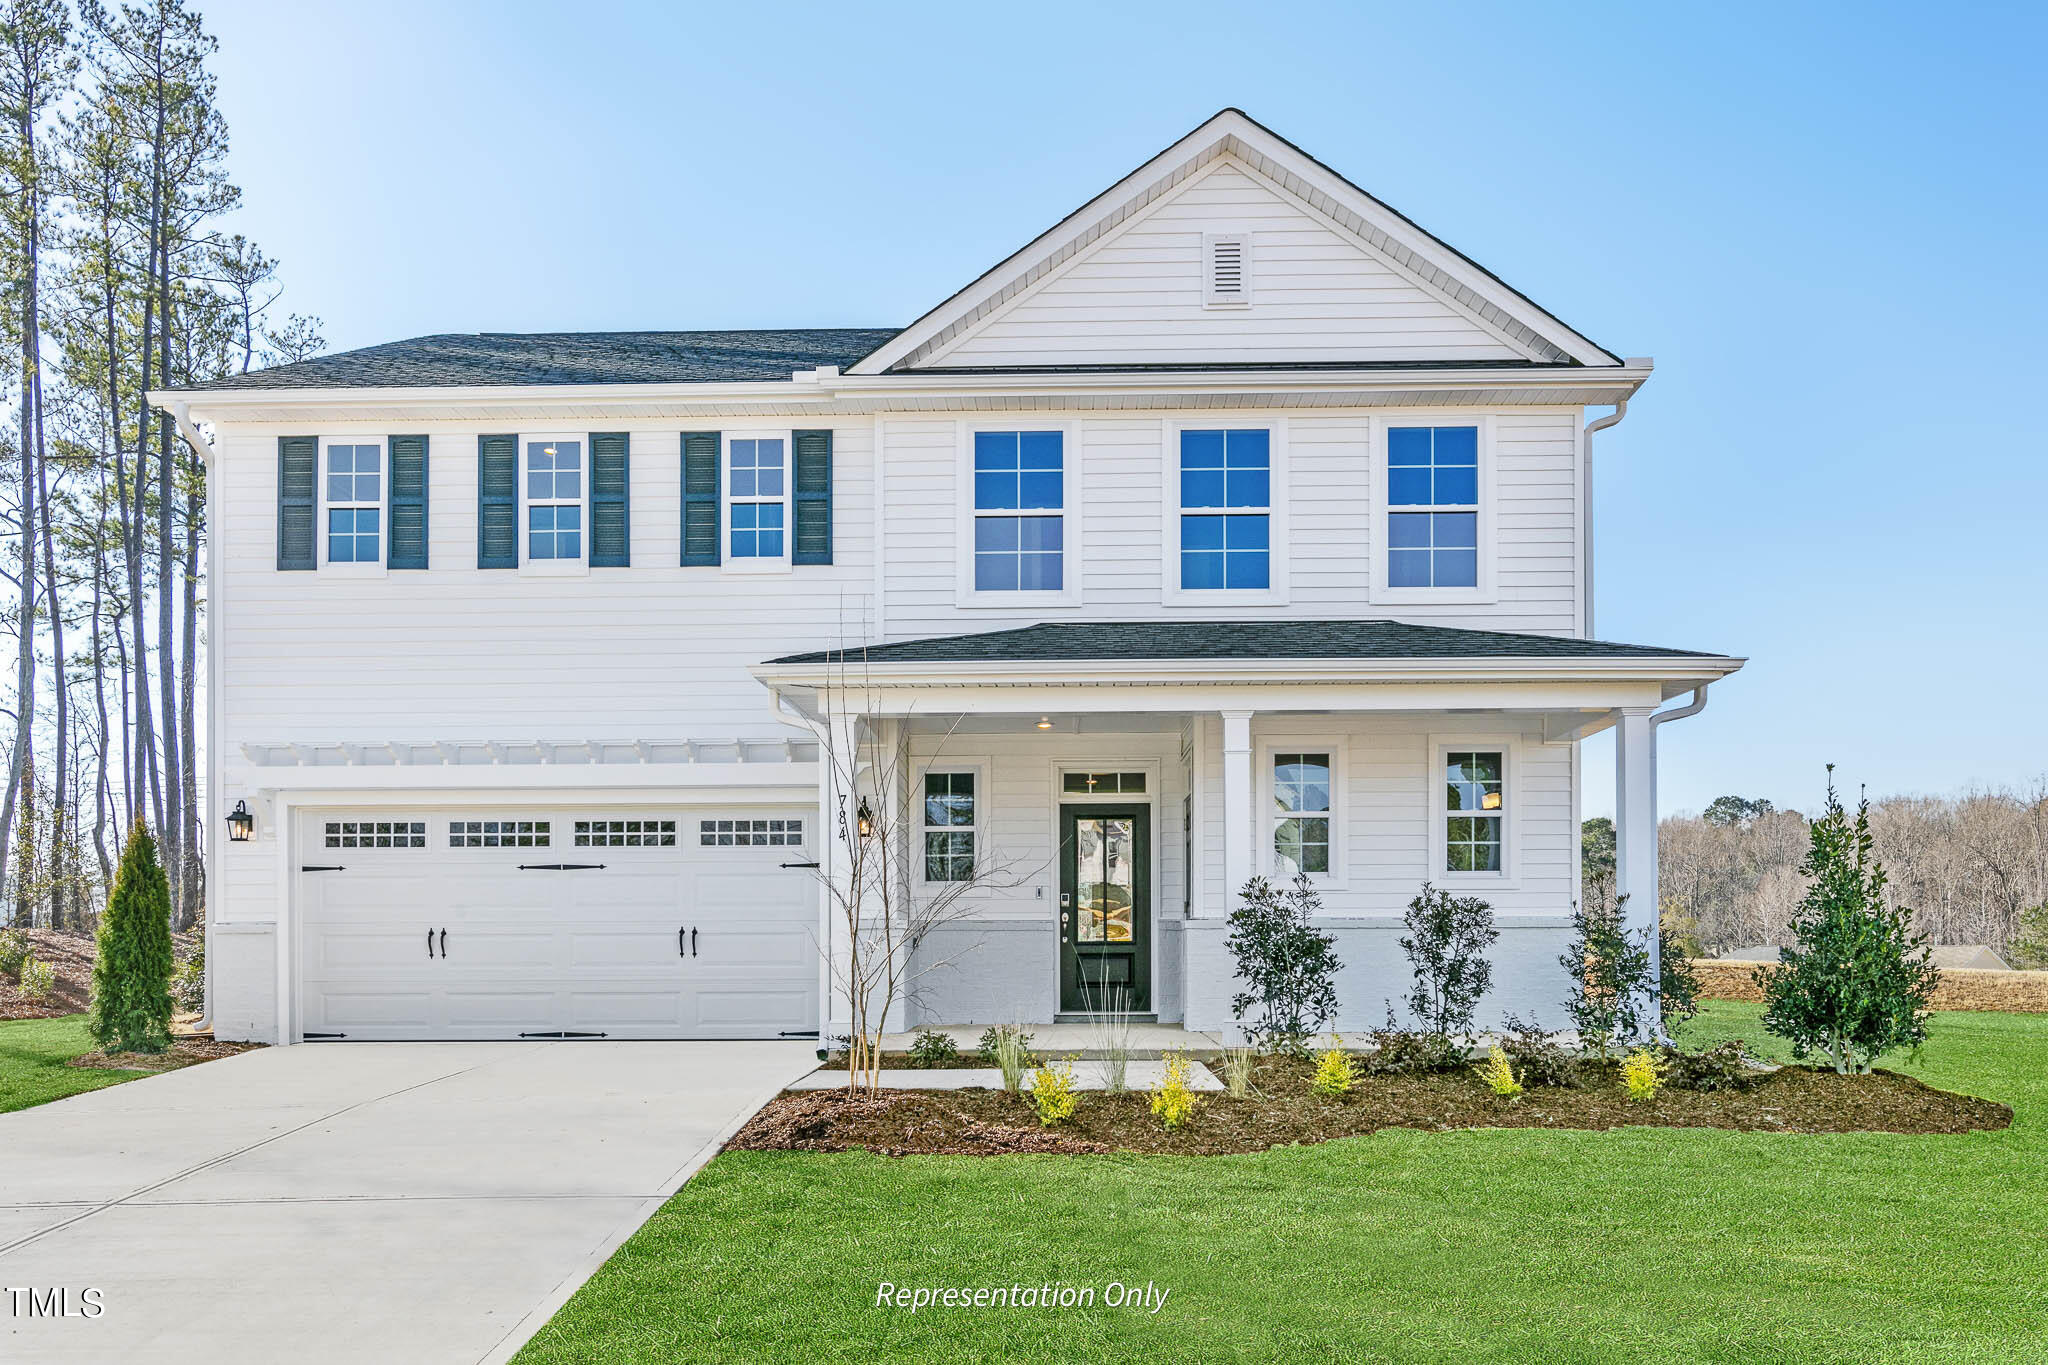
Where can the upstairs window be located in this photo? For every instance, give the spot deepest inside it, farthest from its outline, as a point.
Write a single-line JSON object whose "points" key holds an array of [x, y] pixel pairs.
{"points": [[1226, 494], [554, 500], [355, 504], [1474, 809], [1019, 506], [949, 827], [757, 492], [1301, 815], [1433, 507]]}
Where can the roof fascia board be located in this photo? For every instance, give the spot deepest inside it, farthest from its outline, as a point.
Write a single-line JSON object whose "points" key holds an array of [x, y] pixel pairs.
{"points": [[1118, 672]]}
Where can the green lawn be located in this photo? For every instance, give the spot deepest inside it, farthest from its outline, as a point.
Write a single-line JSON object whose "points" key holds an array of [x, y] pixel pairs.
{"points": [[1508, 1245], [32, 1057]]}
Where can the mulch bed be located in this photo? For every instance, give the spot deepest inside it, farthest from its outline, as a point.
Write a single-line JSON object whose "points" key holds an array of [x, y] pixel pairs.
{"points": [[183, 1052], [990, 1122]]}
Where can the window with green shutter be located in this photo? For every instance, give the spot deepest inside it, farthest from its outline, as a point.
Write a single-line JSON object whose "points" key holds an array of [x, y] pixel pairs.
{"points": [[700, 497], [298, 472], [497, 502], [408, 502], [610, 516], [813, 489]]}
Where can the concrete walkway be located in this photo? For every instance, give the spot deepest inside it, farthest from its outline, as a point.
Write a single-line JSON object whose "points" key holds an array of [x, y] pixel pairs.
{"points": [[417, 1202]]}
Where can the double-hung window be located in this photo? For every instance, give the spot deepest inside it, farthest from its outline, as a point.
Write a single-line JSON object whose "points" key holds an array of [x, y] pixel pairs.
{"points": [[554, 500], [1301, 815], [1475, 810], [757, 493], [1433, 507], [1019, 511], [949, 827], [1226, 510], [355, 504]]}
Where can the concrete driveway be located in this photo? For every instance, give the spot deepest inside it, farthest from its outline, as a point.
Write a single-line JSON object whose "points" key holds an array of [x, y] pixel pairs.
{"points": [[418, 1202]]}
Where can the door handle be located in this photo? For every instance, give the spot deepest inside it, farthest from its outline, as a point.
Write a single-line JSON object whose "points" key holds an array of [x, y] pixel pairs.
{"points": [[693, 942], [444, 943], [430, 943], [679, 942]]}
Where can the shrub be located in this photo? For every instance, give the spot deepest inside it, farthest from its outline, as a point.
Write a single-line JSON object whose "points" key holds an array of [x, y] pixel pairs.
{"points": [[1398, 1051], [1012, 1053], [1446, 944], [1609, 971], [1642, 1075], [14, 950], [1173, 1103], [1499, 1074], [1052, 1091], [1538, 1055], [1722, 1067], [933, 1050], [1334, 1076], [1237, 1072], [992, 1038], [131, 994], [1290, 965], [188, 983], [1859, 983], [37, 979]]}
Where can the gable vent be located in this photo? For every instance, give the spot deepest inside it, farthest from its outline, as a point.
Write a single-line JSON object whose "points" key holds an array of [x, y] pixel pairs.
{"points": [[1226, 269]]}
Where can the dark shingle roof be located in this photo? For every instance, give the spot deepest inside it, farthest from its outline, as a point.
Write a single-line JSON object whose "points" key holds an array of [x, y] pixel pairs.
{"points": [[1171, 640], [571, 358]]}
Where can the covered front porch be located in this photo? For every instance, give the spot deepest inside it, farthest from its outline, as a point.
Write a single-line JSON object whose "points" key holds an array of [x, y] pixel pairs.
{"points": [[1108, 791]]}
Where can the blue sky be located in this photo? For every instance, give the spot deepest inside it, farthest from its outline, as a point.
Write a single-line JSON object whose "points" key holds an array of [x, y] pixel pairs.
{"points": [[1823, 221]]}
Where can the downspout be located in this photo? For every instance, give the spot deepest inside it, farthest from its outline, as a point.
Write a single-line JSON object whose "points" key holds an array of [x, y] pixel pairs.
{"points": [[180, 414], [1657, 718], [1598, 424]]}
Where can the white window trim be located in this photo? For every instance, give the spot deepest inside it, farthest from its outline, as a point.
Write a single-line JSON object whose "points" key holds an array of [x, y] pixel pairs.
{"points": [[979, 771], [1172, 594], [554, 568], [1488, 589], [321, 505], [969, 597], [756, 564], [1243, 298], [1267, 861], [1509, 747]]}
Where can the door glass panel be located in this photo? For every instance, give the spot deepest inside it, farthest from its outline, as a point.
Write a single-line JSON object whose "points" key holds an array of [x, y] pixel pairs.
{"points": [[1105, 870]]}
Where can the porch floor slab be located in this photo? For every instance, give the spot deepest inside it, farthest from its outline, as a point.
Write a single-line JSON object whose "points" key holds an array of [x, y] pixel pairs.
{"points": [[1138, 1075]]}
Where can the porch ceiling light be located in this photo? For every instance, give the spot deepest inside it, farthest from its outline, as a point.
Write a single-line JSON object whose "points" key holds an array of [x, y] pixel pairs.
{"points": [[241, 824], [1045, 722]]}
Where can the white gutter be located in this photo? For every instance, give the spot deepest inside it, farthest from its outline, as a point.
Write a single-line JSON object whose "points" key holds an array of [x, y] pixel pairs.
{"points": [[1586, 505], [1658, 718]]}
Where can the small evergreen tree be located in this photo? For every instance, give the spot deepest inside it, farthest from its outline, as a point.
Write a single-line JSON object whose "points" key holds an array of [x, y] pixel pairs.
{"points": [[131, 977], [1290, 965], [1859, 983], [1446, 944], [1609, 972]]}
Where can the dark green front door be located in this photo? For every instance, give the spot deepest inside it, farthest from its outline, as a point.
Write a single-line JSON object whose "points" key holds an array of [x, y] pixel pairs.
{"points": [[1105, 908]]}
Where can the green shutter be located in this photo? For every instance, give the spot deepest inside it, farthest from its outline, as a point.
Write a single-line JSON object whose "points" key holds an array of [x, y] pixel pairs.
{"points": [[812, 481], [298, 477], [408, 502], [497, 502], [610, 519], [700, 497]]}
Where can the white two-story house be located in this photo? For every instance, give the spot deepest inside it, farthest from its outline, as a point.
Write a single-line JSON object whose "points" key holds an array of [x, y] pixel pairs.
{"points": [[1235, 526]]}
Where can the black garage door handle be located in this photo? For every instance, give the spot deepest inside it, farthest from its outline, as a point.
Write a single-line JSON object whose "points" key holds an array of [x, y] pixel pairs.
{"points": [[430, 943], [693, 942], [444, 943], [679, 942]]}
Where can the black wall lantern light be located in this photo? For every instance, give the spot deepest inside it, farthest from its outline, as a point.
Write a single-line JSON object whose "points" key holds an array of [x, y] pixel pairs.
{"points": [[864, 819], [241, 824]]}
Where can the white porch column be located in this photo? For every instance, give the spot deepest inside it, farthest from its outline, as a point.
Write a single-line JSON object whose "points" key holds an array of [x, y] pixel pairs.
{"points": [[838, 766], [1635, 830], [1238, 843]]}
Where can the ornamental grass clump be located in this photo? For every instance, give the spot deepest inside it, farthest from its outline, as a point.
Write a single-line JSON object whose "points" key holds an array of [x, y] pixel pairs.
{"points": [[1173, 1102], [1053, 1092], [1642, 1075], [1499, 1074], [1010, 1049], [1334, 1074], [1237, 1072]]}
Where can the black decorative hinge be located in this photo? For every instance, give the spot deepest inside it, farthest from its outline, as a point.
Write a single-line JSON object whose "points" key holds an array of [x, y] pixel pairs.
{"points": [[799, 864], [563, 1033], [323, 867], [321, 1037], [560, 867]]}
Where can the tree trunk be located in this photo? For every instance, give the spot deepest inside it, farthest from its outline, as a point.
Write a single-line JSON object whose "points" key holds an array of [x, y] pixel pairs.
{"points": [[166, 645], [188, 911], [99, 692], [20, 760]]}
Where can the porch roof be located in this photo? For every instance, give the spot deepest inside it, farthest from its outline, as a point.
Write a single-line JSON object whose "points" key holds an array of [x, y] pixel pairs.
{"points": [[1266, 641]]}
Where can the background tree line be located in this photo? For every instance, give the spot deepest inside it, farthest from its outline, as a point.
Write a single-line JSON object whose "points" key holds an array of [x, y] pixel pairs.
{"points": [[1972, 868], [119, 278]]}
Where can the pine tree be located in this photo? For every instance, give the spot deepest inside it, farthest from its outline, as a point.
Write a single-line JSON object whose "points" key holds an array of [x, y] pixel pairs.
{"points": [[1859, 983], [131, 978]]}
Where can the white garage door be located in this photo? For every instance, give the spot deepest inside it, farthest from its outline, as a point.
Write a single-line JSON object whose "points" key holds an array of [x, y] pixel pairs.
{"points": [[595, 922]]}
